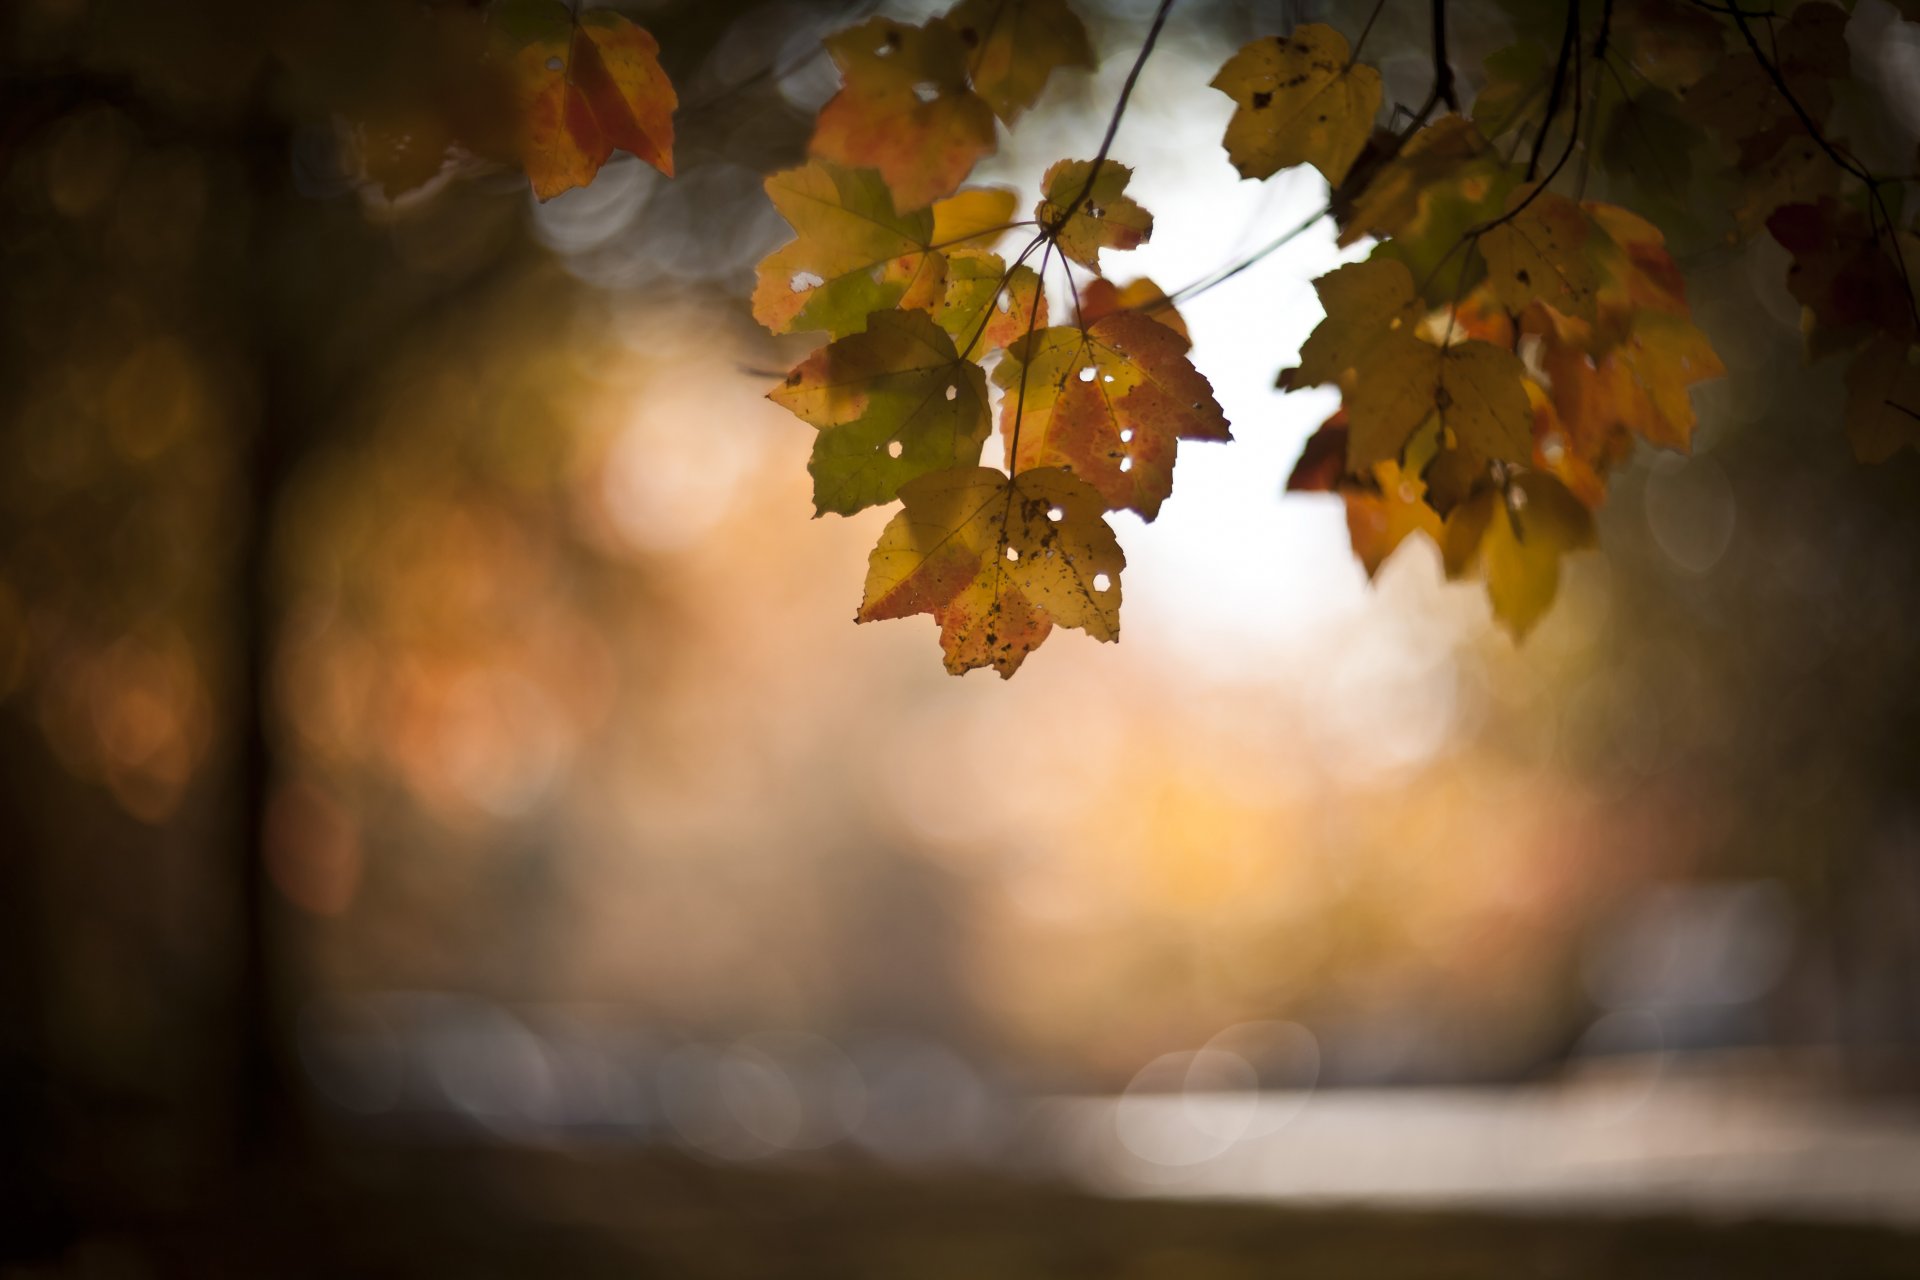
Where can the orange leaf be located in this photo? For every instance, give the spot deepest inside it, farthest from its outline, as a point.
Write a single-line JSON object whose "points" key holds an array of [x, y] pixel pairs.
{"points": [[905, 109], [588, 88]]}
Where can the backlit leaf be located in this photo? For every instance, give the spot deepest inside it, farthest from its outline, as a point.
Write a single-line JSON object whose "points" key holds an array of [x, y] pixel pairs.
{"points": [[904, 109], [1105, 219], [1516, 540], [589, 86], [855, 254], [1364, 302], [1101, 297], [1299, 99], [1472, 387], [891, 403], [1549, 251], [982, 313], [997, 562], [1014, 47], [1108, 403]]}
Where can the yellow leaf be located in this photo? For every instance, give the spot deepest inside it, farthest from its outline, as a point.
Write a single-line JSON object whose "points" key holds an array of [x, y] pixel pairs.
{"points": [[893, 402], [904, 109], [1014, 47], [1516, 540], [1474, 388], [1365, 302], [1104, 220], [997, 562], [1550, 251], [1299, 99], [1107, 403]]}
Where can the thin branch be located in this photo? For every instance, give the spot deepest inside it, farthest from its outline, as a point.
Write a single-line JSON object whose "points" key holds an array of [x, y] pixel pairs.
{"points": [[1188, 292], [1442, 69], [1568, 41], [1119, 110], [1365, 31]]}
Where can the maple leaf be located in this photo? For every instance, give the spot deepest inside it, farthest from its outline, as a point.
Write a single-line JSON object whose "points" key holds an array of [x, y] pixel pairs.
{"points": [[1105, 219], [1015, 46], [588, 84], [1100, 297], [1108, 403], [1392, 380], [985, 305], [855, 254], [893, 402], [904, 109], [997, 562], [1883, 399], [1299, 99], [1391, 510], [1516, 539], [1549, 251], [1363, 301]]}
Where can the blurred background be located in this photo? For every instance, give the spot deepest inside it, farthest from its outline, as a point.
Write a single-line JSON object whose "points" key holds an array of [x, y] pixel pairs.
{"points": [[617, 906]]}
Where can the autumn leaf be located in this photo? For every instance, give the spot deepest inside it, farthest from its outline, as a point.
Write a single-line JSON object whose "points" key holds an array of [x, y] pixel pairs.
{"points": [[1547, 249], [855, 254], [1101, 297], [1381, 517], [1393, 380], [1108, 403], [986, 306], [1883, 399], [904, 109], [998, 563], [1014, 47], [588, 84], [1364, 302], [1105, 219], [1516, 540], [1299, 99], [892, 403]]}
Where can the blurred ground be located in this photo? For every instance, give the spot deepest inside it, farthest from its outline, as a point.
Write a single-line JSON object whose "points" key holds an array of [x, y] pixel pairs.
{"points": [[484, 1212]]}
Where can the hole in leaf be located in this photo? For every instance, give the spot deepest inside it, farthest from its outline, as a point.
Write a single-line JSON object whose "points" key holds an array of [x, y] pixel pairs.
{"points": [[1126, 463], [1086, 374], [1056, 513], [953, 392], [554, 64], [1106, 377], [1101, 582], [805, 280], [926, 91], [893, 448], [1003, 303], [885, 50], [1126, 435], [1013, 553]]}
